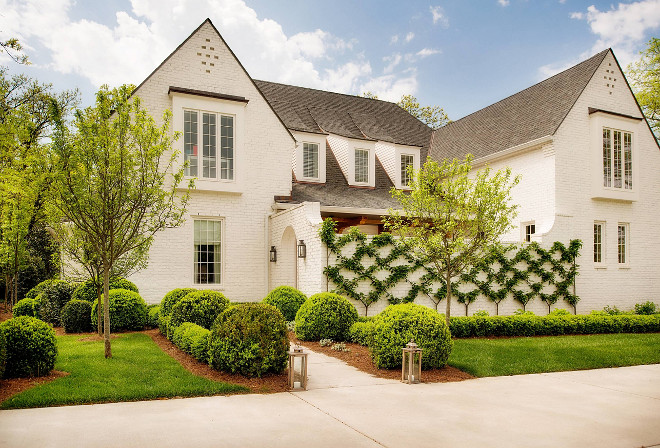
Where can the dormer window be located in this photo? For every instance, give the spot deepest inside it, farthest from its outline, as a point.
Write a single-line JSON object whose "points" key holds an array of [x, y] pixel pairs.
{"points": [[361, 166], [617, 159], [310, 160], [204, 163], [407, 160]]}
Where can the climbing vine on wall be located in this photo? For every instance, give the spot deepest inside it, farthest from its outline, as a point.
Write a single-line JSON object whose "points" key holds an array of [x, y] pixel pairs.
{"points": [[381, 262]]}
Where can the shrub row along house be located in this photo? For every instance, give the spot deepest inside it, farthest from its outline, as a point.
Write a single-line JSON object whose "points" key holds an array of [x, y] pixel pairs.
{"points": [[272, 161]]}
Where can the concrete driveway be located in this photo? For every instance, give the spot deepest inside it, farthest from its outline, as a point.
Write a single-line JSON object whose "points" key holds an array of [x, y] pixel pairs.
{"points": [[347, 408]]}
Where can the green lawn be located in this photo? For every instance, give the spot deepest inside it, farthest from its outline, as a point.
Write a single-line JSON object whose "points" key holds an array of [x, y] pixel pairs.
{"points": [[514, 356], [138, 370]]}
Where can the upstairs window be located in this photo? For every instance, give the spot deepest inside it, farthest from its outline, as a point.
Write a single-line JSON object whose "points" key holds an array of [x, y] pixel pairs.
{"points": [[407, 160], [362, 166], [617, 159], [311, 160], [207, 165], [208, 251]]}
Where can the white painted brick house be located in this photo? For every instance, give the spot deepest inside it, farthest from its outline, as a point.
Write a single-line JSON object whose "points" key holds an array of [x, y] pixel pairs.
{"points": [[272, 161]]}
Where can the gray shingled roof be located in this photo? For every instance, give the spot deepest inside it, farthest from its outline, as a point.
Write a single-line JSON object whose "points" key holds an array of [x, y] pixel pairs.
{"points": [[317, 111], [336, 191], [535, 112]]}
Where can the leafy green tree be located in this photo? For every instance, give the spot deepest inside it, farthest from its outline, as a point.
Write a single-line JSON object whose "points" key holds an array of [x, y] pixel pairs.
{"points": [[116, 182], [432, 116], [15, 50], [453, 217], [644, 76]]}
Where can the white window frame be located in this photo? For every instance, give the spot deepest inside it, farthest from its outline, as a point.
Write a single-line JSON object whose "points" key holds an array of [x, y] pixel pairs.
{"points": [[218, 145], [523, 229], [609, 181], [368, 167], [195, 283], [401, 171], [625, 261], [599, 246], [318, 162]]}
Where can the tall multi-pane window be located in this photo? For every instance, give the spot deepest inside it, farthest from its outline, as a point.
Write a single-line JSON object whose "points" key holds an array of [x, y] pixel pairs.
{"points": [[311, 160], [208, 251], [407, 160], [598, 242], [617, 159], [361, 166], [190, 142], [206, 167], [622, 243], [227, 147]]}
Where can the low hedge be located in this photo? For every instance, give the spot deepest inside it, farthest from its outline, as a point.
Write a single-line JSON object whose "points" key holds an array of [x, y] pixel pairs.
{"points": [[199, 307], [26, 307], [52, 299], [286, 299], [529, 325], [325, 316], [398, 324], [192, 339], [361, 333], [153, 313], [164, 324], [172, 297], [87, 290], [249, 339], [128, 311], [76, 316], [31, 347]]}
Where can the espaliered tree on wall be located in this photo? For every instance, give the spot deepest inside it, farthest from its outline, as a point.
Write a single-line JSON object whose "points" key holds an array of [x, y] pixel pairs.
{"points": [[523, 273], [452, 218]]}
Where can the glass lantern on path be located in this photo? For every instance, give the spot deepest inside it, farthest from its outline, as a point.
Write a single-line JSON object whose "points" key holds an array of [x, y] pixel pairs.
{"points": [[411, 366]]}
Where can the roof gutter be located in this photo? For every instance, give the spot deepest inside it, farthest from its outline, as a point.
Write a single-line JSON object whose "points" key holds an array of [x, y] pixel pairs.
{"points": [[337, 209], [512, 151]]}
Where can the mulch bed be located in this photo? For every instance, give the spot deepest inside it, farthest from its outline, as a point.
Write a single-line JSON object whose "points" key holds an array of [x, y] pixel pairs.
{"points": [[13, 386], [360, 358]]}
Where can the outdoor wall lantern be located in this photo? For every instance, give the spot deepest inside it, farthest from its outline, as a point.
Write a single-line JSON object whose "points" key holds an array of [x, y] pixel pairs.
{"points": [[302, 249], [411, 367], [297, 368], [273, 254]]}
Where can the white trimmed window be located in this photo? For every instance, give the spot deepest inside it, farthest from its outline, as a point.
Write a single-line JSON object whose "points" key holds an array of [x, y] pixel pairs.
{"points": [[407, 160], [205, 165], [530, 230], [617, 159], [623, 237], [208, 251], [599, 236], [362, 166], [310, 160]]}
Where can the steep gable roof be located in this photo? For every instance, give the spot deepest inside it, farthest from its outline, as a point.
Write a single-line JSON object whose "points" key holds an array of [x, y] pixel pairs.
{"points": [[535, 112], [321, 112]]}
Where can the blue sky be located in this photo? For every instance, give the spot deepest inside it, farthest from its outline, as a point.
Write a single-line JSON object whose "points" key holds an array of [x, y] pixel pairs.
{"points": [[461, 55]]}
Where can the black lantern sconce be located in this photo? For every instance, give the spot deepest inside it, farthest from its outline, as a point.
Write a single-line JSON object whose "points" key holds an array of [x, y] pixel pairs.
{"points": [[302, 249], [273, 254]]}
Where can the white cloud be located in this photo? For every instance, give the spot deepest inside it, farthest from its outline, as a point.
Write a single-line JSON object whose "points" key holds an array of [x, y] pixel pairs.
{"points": [[392, 61], [562, 1], [503, 3], [576, 15], [410, 36], [391, 88], [394, 39], [438, 15], [623, 28], [424, 52], [130, 47]]}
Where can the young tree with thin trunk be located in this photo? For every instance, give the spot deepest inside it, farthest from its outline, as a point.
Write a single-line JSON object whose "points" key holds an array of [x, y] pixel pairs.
{"points": [[116, 180], [451, 218]]}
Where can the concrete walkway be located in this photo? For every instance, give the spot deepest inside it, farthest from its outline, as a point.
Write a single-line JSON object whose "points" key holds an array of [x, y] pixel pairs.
{"points": [[347, 408]]}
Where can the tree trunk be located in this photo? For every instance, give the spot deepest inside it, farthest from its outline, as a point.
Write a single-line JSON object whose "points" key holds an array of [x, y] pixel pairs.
{"points": [[497, 308], [448, 298], [99, 307], [106, 309]]}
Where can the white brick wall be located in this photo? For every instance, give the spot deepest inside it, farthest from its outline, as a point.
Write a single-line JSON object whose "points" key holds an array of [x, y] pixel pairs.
{"points": [[267, 150]]}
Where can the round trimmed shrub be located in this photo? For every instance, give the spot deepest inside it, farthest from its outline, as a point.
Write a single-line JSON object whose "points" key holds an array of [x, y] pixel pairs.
{"points": [[164, 324], [361, 332], [192, 339], [249, 339], [286, 299], [76, 316], [34, 292], [87, 290], [128, 311], [52, 299], [172, 297], [153, 312], [199, 307], [398, 324], [26, 307], [325, 316], [31, 347]]}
